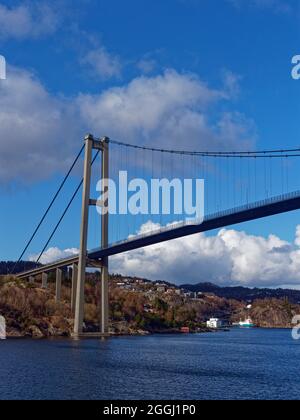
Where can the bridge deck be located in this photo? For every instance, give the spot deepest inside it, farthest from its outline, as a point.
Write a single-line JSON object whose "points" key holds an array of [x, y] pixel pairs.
{"points": [[276, 205]]}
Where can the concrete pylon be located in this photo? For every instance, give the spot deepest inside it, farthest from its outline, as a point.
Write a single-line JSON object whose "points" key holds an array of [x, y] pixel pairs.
{"points": [[104, 297], [103, 146], [104, 240], [79, 308], [74, 287], [44, 281], [59, 275]]}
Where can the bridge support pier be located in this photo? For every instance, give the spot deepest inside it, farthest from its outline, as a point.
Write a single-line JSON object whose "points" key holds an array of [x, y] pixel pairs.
{"points": [[74, 287], [90, 144], [31, 280], [104, 297], [79, 308], [59, 275], [104, 241], [44, 281]]}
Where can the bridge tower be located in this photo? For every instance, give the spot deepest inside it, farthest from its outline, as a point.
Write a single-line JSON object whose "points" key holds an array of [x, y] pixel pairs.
{"points": [[102, 146]]}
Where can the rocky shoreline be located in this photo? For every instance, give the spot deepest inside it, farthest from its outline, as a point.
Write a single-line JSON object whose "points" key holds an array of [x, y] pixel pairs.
{"points": [[32, 312]]}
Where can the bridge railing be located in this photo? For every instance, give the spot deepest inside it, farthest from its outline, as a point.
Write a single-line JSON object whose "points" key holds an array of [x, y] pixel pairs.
{"points": [[255, 204], [177, 225], [228, 212]]}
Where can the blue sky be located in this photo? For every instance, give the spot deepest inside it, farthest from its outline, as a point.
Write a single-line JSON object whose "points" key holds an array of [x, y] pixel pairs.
{"points": [[67, 60]]}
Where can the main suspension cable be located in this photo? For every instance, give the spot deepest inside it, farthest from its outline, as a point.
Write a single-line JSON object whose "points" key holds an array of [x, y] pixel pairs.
{"points": [[243, 154]]}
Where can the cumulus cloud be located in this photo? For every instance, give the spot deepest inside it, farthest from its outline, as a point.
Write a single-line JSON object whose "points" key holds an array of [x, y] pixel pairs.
{"points": [[29, 20], [37, 129], [54, 254], [160, 110], [229, 258], [167, 109], [103, 64]]}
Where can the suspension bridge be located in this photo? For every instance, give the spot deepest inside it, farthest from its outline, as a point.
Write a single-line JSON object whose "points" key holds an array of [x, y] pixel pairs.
{"points": [[240, 186]]}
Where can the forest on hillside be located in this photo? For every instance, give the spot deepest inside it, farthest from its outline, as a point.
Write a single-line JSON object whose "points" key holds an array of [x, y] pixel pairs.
{"points": [[7, 267]]}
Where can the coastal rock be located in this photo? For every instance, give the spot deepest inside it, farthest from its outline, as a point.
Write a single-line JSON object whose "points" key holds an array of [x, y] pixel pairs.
{"points": [[143, 332], [14, 333], [35, 332]]}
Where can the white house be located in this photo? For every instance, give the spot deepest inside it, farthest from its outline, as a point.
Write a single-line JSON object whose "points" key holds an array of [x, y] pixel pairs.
{"points": [[214, 323]]}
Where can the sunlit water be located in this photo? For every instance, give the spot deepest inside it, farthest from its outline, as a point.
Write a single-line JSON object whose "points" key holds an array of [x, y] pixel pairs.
{"points": [[242, 364]]}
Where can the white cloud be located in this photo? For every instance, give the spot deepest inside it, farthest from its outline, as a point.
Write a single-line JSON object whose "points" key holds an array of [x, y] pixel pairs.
{"points": [[54, 254], [167, 109], [230, 258], [103, 64], [29, 20], [40, 132]]}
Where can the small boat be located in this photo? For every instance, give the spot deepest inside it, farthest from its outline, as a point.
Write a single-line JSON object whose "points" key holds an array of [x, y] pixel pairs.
{"points": [[248, 323]]}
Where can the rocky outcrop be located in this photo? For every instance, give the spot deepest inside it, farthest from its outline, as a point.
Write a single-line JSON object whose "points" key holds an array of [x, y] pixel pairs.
{"points": [[33, 312], [270, 313]]}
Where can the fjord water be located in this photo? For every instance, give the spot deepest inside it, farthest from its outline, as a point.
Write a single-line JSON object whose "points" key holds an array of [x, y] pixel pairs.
{"points": [[241, 364]]}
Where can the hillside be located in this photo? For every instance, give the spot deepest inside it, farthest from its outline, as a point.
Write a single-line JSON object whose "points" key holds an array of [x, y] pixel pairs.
{"points": [[245, 294], [137, 306], [266, 313], [7, 267]]}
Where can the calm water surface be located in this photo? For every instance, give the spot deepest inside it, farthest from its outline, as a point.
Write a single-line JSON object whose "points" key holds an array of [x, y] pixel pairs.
{"points": [[242, 364]]}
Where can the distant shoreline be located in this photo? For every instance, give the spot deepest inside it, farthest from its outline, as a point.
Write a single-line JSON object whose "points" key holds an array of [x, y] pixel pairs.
{"points": [[146, 334]]}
